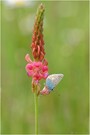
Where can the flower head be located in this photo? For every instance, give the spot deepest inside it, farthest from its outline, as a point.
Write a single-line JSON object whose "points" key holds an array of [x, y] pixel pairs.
{"points": [[37, 70]]}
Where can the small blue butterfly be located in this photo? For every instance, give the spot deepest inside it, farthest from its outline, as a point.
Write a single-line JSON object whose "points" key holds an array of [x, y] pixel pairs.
{"points": [[51, 82]]}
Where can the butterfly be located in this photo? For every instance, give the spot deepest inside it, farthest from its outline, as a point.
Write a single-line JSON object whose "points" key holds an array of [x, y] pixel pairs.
{"points": [[51, 82]]}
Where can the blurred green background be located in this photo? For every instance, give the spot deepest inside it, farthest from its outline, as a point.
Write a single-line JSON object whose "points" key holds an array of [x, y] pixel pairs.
{"points": [[65, 110]]}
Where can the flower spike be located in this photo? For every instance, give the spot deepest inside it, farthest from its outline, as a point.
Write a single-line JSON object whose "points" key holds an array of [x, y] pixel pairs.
{"points": [[37, 38], [37, 69]]}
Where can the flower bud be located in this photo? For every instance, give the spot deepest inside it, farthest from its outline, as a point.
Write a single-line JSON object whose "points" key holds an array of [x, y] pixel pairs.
{"points": [[37, 38]]}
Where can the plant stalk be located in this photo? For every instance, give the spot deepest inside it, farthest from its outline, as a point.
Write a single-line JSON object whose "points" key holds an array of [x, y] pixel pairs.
{"points": [[36, 112]]}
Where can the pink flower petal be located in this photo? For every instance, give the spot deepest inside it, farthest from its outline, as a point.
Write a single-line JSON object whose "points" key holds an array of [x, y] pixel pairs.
{"points": [[27, 58], [29, 73], [45, 75], [45, 68], [45, 62], [37, 64], [29, 67]]}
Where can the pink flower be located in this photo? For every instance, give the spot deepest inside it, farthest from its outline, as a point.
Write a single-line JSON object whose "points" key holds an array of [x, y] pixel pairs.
{"points": [[37, 70]]}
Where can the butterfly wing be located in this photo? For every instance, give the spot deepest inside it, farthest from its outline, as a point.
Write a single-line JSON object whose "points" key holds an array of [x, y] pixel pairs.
{"points": [[49, 84], [53, 80]]}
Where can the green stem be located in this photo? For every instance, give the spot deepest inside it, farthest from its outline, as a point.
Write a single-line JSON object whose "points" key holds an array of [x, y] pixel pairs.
{"points": [[36, 112]]}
